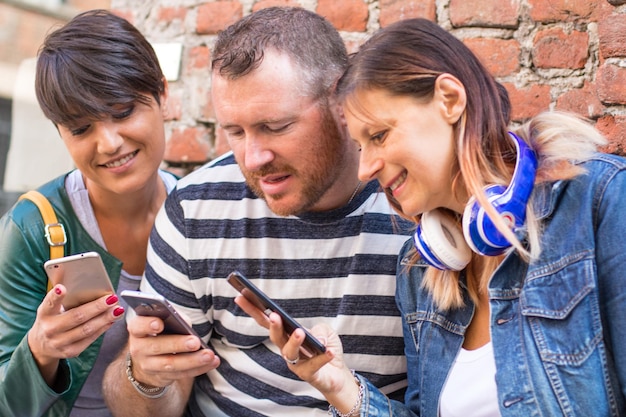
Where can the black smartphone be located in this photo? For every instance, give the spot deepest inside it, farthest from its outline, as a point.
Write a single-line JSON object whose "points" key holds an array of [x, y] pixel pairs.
{"points": [[84, 276], [155, 305], [310, 347]]}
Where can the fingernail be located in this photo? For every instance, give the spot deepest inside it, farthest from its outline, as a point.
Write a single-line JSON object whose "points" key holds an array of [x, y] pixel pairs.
{"points": [[191, 344], [118, 311], [154, 325], [111, 299], [57, 290]]}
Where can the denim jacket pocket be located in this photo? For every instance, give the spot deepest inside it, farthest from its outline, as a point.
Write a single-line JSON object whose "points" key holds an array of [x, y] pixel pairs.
{"points": [[560, 304]]}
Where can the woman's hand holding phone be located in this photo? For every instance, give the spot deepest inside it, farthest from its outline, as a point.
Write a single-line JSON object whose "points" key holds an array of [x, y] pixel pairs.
{"points": [[320, 370], [58, 334]]}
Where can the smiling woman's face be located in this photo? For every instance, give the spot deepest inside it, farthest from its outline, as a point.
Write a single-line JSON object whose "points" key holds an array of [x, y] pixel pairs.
{"points": [[122, 152], [407, 145]]}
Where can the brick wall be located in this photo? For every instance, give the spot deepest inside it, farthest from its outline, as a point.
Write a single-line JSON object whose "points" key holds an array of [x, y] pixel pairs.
{"points": [[550, 54]]}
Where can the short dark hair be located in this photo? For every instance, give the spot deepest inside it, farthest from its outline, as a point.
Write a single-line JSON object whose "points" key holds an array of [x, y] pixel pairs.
{"points": [[306, 37], [95, 61]]}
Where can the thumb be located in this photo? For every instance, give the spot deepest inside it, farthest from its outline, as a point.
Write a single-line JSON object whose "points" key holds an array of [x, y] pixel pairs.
{"points": [[53, 302]]}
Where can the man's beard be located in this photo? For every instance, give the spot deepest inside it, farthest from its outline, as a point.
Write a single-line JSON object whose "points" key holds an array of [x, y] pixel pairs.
{"points": [[317, 174]]}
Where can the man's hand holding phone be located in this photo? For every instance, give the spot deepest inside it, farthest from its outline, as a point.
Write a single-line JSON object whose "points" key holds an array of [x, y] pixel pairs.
{"points": [[163, 347]]}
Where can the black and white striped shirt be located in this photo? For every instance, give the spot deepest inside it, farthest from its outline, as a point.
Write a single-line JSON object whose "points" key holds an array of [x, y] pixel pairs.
{"points": [[336, 267]]}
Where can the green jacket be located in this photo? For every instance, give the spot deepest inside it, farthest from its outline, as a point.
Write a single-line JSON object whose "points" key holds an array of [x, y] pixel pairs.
{"points": [[23, 283]]}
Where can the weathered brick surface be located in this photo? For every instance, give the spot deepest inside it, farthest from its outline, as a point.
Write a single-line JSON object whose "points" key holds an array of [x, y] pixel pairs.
{"points": [[500, 13], [612, 34], [394, 10], [553, 48], [611, 81], [348, 15], [500, 56], [550, 54], [528, 101], [212, 17]]}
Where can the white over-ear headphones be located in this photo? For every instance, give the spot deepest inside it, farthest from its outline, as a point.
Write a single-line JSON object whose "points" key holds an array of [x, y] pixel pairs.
{"points": [[439, 240]]}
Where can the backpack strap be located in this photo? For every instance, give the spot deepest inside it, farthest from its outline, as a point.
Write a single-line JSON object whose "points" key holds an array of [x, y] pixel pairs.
{"points": [[53, 230]]}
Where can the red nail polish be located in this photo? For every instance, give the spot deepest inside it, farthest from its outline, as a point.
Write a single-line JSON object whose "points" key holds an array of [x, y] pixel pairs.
{"points": [[118, 311], [111, 299], [57, 290]]}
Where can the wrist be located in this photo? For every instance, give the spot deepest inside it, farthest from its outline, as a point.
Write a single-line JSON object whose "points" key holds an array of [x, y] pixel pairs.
{"points": [[358, 391], [148, 391]]}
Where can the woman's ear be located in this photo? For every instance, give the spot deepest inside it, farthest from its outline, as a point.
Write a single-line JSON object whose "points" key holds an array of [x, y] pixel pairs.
{"points": [[451, 94]]}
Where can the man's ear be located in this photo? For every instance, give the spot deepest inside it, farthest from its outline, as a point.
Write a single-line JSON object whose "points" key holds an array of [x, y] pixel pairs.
{"points": [[451, 94]]}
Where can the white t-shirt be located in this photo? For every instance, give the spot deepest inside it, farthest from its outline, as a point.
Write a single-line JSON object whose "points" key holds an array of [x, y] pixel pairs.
{"points": [[470, 390]]}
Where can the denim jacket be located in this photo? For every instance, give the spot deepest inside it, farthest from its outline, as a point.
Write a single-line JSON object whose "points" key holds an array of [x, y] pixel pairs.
{"points": [[558, 324]]}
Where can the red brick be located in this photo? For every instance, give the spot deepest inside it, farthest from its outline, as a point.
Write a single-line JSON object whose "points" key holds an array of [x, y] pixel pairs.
{"points": [[500, 56], [394, 10], [213, 17], [500, 13], [221, 144], [611, 82], [553, 48], [528, 102], [583, 101], [274, 3], [200, 59], [612, 34], [561, 10], [174, 104], [346, 15], [614, 129], [169, 14], [187, 145]]}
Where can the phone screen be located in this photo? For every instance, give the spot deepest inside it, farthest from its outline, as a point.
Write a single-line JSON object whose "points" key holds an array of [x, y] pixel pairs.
{"points": [[310, 347]]}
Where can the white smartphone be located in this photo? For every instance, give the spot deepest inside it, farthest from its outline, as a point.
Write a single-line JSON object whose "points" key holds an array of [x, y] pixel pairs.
{"points": [[155, 305], [84, 276]]}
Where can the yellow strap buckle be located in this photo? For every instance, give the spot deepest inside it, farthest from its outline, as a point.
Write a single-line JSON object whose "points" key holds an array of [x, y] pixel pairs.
{"points": [[55, 234]]}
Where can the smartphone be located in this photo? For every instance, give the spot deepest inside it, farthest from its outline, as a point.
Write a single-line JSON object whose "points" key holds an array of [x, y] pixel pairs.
{"points": [[310, 347], [155, 305], [84, 276]]}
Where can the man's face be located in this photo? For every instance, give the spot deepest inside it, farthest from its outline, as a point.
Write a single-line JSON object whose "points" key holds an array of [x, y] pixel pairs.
{"points": [[289, 146]]}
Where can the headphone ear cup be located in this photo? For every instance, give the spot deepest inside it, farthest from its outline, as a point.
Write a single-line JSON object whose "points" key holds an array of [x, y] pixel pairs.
{"points": [[509, 202], [440, 242], [479, 231]]}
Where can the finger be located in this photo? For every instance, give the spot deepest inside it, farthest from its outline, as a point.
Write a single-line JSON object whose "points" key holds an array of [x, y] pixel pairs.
{"points": [[162, 370], [252, 311], [92, 316], [52, 303], [146, 338], [278, 336]]}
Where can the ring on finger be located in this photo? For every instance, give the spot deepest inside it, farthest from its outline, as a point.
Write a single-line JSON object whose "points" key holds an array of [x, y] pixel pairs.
{"points": [[291, 361]]}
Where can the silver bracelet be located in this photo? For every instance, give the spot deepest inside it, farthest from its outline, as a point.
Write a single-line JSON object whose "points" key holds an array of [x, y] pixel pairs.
{"points": [[147, 391], [333, 411]]}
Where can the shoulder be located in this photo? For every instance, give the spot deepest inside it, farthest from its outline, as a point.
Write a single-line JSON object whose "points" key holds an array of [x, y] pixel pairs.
{"points": [[26, 212]]}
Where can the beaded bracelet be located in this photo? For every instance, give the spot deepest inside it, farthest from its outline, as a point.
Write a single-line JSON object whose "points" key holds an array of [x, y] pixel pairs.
{"points": [[333, 411]]}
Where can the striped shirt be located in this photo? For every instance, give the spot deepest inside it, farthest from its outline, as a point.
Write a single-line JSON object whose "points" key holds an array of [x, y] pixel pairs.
{"points": [[336, 267]]}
